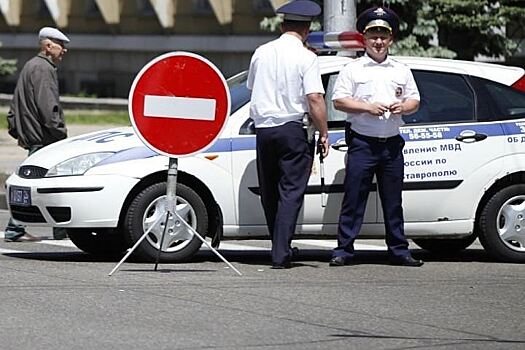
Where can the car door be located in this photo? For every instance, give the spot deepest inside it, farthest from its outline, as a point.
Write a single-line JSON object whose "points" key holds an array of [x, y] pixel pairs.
{"points": [[322, 203], [449, 155], [320, 211], [244, 170]]}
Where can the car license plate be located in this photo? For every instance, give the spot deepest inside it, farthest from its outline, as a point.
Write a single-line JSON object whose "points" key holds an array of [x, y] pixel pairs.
{"points": [[20, 196]]}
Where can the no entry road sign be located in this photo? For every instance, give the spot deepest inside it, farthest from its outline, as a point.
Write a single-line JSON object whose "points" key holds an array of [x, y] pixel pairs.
{"points": [[178, 104]]}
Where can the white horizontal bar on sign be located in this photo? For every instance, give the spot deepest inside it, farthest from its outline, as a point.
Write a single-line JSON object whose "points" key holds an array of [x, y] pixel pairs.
{"points": [[179, 107]]}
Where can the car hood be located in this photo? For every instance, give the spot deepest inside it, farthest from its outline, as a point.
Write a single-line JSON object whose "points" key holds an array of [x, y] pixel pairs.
{"points": [[112, 140]]}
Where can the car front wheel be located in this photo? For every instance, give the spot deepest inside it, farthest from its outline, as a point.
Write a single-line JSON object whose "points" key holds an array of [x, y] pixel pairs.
{"points": [[502, 224], [148, 211]]}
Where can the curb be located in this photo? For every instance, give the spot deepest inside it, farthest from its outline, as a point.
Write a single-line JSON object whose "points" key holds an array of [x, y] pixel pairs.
{"points": [[69, 102]]}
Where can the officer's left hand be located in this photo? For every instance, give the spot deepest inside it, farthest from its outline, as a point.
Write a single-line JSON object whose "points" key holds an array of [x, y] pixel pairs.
{"points": [[396, 108]]}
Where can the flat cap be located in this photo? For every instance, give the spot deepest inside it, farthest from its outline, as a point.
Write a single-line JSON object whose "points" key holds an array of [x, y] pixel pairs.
{"points": [[52, 33], [378, 17], [300, 10]]}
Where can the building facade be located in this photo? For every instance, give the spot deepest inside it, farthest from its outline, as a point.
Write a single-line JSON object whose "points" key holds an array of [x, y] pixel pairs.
{"points": [[111, 40]]}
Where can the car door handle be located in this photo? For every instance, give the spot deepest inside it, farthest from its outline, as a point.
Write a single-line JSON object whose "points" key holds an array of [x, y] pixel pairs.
{"points": [[475, 137], [340, 146]]}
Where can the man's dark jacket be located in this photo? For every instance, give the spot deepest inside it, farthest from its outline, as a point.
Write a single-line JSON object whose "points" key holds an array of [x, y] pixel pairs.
{"points": [[35, 117]]}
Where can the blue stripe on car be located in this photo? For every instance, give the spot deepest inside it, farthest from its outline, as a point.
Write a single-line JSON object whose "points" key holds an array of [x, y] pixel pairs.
{"points": [[247, 143]]}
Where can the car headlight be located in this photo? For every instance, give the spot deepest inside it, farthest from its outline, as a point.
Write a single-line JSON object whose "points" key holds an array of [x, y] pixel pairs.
{"points": [[78, 165]]}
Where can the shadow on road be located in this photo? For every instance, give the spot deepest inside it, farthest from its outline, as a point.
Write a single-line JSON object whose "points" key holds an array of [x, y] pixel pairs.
{"points": [[306, 257], [449, 340]]}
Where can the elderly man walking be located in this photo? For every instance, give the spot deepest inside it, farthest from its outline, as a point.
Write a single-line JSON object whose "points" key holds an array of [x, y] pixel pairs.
{"points": [[35, 117]]}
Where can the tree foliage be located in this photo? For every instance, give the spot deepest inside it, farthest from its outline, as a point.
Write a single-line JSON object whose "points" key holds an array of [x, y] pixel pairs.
{"points": [[454, 28], [7, 67], [418, 28], [473, 27]]}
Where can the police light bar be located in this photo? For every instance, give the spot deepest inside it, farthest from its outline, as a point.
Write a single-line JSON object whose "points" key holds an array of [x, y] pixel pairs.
{"points": [[335, 41]]}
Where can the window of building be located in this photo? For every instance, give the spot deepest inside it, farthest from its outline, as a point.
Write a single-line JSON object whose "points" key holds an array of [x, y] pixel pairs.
{"points": [[263, 6], [202, 7], [98, 88], [42, 11], [91, 9], [144, 8]]}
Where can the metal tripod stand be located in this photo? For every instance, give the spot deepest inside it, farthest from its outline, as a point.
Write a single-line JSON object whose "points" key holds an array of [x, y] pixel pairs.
{"points": [[172, 222]]}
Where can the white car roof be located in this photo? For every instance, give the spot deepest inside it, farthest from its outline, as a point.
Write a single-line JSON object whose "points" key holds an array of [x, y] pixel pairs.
{"points": [[496, 72]]}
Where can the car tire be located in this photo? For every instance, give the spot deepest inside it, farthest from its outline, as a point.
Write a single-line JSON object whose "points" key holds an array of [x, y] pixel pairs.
{"points": [[97, 241], [148, 206], [445, 246], [502, 224]]}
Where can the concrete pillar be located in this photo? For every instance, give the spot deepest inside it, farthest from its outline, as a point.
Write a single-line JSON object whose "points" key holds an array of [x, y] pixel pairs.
{"points": [[11, 10], [110, 10], [278, 3], [59, 10], [223, 10], [165, 11]]}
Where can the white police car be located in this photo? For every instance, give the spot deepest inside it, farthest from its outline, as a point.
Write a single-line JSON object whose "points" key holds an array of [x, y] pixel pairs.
{"points": [[464, 174]]}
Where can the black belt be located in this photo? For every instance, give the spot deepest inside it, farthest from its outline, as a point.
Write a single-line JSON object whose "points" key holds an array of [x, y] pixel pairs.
{"points": [[373, 138]]}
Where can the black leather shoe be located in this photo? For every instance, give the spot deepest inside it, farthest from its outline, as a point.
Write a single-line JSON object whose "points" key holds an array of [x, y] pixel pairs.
{"points": [[407, 261], [285, 265], [338, 261]]}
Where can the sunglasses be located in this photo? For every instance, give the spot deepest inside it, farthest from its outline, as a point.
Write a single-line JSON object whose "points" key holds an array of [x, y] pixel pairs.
{"points": [[58, 42]]}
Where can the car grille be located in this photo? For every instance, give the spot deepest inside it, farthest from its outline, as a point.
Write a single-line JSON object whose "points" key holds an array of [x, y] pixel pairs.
{"points": [[27, 214], [60, 214], [32, 172]]}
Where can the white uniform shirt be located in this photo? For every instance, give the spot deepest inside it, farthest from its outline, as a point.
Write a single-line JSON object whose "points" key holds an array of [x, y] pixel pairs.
{"points": [[282, 72], [386, 82]]}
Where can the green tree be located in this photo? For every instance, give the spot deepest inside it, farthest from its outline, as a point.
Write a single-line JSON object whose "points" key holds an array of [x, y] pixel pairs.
{"points": [[454, 28], [458, 28], [472, 27], [418, 29]]}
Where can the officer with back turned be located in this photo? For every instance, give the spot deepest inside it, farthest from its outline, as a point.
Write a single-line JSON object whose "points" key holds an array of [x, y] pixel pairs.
{"points": [[286, 83]]}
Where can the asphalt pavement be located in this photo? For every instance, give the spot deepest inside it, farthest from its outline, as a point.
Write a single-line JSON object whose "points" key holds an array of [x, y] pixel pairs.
{"points": [[56, 297]]}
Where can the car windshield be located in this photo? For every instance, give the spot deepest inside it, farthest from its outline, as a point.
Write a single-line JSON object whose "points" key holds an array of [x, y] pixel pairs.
{"points": [[240, 95]]}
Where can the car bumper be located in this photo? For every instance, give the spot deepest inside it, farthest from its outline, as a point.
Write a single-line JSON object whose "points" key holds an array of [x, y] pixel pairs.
{"points": [[70, 201]]}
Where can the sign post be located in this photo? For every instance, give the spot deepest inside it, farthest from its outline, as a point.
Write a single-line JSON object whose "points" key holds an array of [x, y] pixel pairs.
{"points": [[178, 105]]}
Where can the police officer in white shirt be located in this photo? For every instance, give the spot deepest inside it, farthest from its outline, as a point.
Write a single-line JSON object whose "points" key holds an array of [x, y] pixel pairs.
{"points": [[375, 90], [286, 83]]}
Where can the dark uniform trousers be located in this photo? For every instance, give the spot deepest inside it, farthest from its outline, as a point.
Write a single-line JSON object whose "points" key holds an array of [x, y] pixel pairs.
{"points": [[384, 158], [284, 163]]}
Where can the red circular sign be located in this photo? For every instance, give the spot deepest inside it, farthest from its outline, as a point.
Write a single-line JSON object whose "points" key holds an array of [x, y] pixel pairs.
{"points": [[178, 104]]}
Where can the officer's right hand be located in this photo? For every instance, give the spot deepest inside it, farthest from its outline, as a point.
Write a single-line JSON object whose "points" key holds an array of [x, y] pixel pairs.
{"points": [[377, 108], [323, 145]]}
